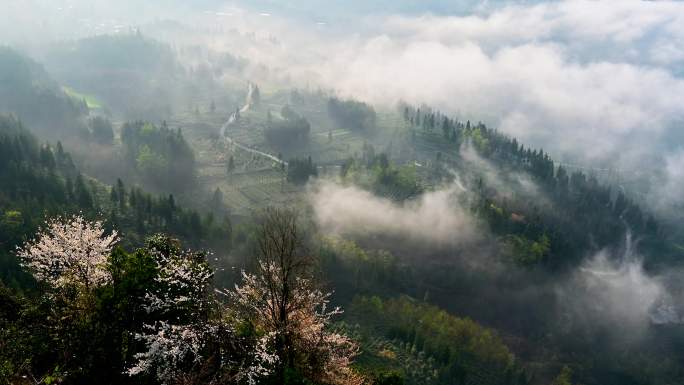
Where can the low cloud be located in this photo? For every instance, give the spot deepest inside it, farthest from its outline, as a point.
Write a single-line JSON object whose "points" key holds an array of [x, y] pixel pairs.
{"points": [[507, 183], [625, 31], [436, 218], [590, 112], [594, 84], [612, 290], [672, 187]]}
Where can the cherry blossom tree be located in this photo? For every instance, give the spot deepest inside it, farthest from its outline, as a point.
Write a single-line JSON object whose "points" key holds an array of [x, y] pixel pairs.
{"points": [[281, 299], [69, 251], [179, 302], [321, 355], [276, 320], [191, 328]]}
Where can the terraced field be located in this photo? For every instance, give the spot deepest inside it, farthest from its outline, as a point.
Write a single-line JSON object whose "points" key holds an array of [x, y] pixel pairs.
{"points": [[257, 180]]}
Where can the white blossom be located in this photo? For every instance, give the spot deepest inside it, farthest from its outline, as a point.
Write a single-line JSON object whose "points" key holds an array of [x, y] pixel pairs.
{"points": [[261, 361], [178, 345], [168, 346], [183, 283], [69, 251], [308, 319]]}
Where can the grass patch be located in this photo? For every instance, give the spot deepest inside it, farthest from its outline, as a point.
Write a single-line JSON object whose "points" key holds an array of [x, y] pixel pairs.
{"points": [[90, 100]]}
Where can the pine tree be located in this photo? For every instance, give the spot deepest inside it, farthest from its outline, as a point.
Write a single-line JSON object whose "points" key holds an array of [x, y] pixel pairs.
{"points": [[85, 200], [113, 196], [217, 200], [230, 167], [121, 193]]}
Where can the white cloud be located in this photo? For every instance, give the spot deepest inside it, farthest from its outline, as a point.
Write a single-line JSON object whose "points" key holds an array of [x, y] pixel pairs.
{"points": [[672, 187], [594, 83], [436, 218], [592, 111], [613, 289], [579, 24], [507, 183]]}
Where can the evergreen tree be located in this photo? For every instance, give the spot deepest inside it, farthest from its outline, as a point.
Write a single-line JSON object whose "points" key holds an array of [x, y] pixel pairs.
{"points": [[230, 166], [82, 193], [217, 200]]}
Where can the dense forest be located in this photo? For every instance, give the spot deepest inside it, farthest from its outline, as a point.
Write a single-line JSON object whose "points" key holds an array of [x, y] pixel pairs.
{"points": [[352, 114], [582, 206], [40, 181], [158, 157]]}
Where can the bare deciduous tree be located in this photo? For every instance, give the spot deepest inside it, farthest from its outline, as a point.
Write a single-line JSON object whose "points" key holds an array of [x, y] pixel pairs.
{"points": [[282, 259]]}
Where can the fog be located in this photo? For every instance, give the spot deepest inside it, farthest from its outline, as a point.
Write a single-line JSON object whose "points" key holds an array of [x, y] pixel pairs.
{"points": [[595, 84], [612, 289], [191, 117], [436, 218], [506, 181]]}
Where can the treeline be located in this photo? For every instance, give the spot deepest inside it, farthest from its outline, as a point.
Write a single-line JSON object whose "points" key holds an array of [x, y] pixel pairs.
{"points": [[585, 211], [407, 338], [292, 130], [159, 156], [145, 213], [35, 180], [352, 115], [459, 350], [376, 173], [300, 170]]}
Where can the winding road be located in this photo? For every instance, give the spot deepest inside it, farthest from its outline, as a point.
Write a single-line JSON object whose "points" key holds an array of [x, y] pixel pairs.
{"points": [[231, 120]]}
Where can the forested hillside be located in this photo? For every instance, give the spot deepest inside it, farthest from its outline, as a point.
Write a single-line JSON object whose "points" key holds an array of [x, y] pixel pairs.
{"points": [[40, 180], [25, 83], [133, 75], [554, 220]]}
